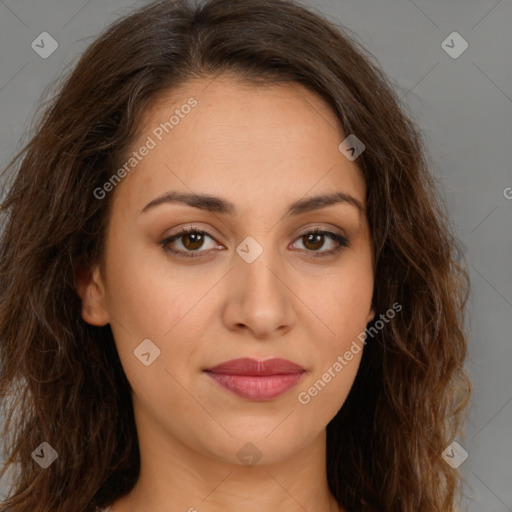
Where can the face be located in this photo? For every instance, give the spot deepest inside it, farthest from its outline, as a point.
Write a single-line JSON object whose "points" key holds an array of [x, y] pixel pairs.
{"points": [[250, 279]]}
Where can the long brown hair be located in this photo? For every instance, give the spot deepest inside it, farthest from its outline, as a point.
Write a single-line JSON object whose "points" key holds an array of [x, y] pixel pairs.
{"points": [[61, 380]]}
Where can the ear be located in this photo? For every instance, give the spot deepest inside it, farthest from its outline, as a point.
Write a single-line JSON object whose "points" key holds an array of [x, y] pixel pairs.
{"points": [[91, 290], [371, 315]]}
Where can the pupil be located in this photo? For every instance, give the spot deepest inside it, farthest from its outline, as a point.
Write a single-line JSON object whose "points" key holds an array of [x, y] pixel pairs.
{"points": [[198, 240], [318, 237]]}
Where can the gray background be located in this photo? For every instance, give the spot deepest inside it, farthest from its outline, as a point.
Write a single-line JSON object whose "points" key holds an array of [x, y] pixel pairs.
{"points": [[464, 108]]}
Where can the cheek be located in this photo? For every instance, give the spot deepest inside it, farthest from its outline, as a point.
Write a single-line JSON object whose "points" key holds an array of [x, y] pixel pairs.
{"points": [[341, 305], [147, 294], [337, 354], [325, 392], [150, 298], [341, 302]]}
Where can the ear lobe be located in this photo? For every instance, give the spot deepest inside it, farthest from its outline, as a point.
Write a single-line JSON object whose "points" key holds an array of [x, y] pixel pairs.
{"points": [[371, 315], [92, 292]]}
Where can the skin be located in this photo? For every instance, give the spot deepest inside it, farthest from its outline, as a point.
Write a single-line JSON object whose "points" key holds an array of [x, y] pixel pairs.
{"points": [[261, 148]]}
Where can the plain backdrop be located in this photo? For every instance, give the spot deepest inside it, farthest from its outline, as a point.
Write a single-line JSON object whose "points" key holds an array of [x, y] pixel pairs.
{"points": [[463, 105]]}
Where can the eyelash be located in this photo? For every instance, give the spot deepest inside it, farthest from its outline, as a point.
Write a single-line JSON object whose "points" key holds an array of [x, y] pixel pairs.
{"points": [[340, 239]]}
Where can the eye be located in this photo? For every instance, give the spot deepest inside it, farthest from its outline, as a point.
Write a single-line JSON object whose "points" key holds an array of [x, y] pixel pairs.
{"points": [[192, 240], [315, 239]]}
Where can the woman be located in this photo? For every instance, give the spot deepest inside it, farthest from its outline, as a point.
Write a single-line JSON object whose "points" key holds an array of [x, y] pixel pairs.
{"points": [[226, 278]]}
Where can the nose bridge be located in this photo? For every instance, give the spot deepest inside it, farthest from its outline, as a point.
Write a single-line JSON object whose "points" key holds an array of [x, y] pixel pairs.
{"points": [[258, 296], [258, 261]]}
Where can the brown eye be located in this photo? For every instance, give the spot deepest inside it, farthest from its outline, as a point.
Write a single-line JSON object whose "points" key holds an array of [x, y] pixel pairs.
{"points": [[191, 241], [315, 240]]}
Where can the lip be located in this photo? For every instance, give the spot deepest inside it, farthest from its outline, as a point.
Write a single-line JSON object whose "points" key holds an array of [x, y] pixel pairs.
{"points": [[257, 367], [257, 380]]}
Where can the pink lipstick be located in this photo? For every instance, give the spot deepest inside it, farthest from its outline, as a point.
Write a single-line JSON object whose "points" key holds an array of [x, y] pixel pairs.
{"points": [[256, 379]]}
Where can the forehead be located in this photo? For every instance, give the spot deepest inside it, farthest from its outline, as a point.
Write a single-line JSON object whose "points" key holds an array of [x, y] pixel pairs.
{"points": [[273, 144]]}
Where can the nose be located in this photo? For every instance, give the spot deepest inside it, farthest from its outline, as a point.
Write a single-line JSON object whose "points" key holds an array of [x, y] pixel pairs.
{"points": [[258, 297]]}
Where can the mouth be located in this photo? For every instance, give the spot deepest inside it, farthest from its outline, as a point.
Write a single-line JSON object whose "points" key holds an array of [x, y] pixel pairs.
{"points": [[257, 380]]}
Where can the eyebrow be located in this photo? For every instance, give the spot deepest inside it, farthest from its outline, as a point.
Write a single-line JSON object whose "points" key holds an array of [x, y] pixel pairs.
{"points": [[219, 205]]}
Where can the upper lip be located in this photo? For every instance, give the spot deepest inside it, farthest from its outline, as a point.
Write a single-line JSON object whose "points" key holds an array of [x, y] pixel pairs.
{"points": [[248, 366]]}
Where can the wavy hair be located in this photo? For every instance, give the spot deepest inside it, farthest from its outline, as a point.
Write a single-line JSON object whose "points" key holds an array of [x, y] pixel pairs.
{"points": [[61, 380]]}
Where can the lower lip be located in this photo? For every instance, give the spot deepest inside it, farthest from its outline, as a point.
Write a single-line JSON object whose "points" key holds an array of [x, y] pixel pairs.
{"points": [[257, 388]]}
